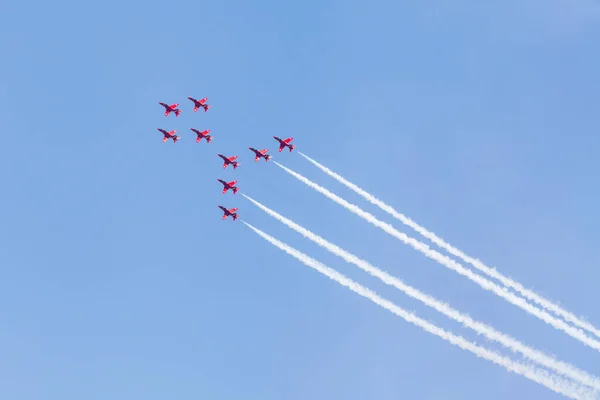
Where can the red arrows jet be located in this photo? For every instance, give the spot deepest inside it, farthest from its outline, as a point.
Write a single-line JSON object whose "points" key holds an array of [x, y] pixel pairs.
{"points": [[229, 160], [260, 153], [200, 103], [229, 185], [170, 108], [203, 134], [231, 212], [285, 143], [169, 135]]}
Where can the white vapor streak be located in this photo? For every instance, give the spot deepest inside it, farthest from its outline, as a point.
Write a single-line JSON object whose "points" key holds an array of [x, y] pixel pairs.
{"points": [[511, 343], [542, 377], [508, 282], [451, 264]]}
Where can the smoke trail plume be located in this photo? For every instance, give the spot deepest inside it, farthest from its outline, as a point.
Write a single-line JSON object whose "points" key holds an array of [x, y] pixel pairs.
{"points": [[540, 376], [492, 272], [451, 264], [509, 342]]}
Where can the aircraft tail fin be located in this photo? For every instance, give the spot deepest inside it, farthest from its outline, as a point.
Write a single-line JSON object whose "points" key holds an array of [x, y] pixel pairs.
{"points": [[208, 138], [235, 190], [292, 147], [177, 112]]}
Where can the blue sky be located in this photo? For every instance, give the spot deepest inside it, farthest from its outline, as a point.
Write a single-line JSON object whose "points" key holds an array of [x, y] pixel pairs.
{"points": [[119, 279]]}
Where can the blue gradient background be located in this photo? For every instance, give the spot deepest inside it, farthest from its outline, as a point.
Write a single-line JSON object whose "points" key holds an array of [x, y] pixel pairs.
{"points": [[119, 279]]}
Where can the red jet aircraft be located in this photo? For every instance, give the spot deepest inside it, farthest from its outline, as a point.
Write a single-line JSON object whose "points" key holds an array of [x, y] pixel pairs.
{"points": [[170, 108], [203, 134], [231, 212], [200, 103], [169, 135], [285, 143], [229, 160], [229, 185], [260, 153]]}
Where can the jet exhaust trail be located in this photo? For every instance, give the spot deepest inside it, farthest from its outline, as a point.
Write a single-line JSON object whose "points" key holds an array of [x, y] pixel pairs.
{"points": [[509, 342], [506, 281], [539, 376], [449, 263]]}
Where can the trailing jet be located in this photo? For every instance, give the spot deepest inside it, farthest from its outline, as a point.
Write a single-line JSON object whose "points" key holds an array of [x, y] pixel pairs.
{"points": [[170, 108], [285, 143], [203, 134], [260, 154], [229, 160], [227, 213], [200, 103], [169, 135], [229, 185]]}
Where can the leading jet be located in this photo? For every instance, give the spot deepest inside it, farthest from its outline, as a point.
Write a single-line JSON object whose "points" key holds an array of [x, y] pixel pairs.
{"points": [[170, 108]]}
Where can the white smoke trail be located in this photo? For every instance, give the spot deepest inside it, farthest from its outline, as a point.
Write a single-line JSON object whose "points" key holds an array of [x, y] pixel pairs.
{"points": [[513, 344], [540, 376], [451, 264], [508, 282]]}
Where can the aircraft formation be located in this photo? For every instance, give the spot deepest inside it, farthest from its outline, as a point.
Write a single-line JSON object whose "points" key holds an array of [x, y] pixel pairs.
{"points": [[258, 154], [578, 384]]}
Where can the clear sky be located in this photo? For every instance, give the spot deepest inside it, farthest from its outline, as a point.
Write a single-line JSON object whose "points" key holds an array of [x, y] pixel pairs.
{"points": [[120, 281]]}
